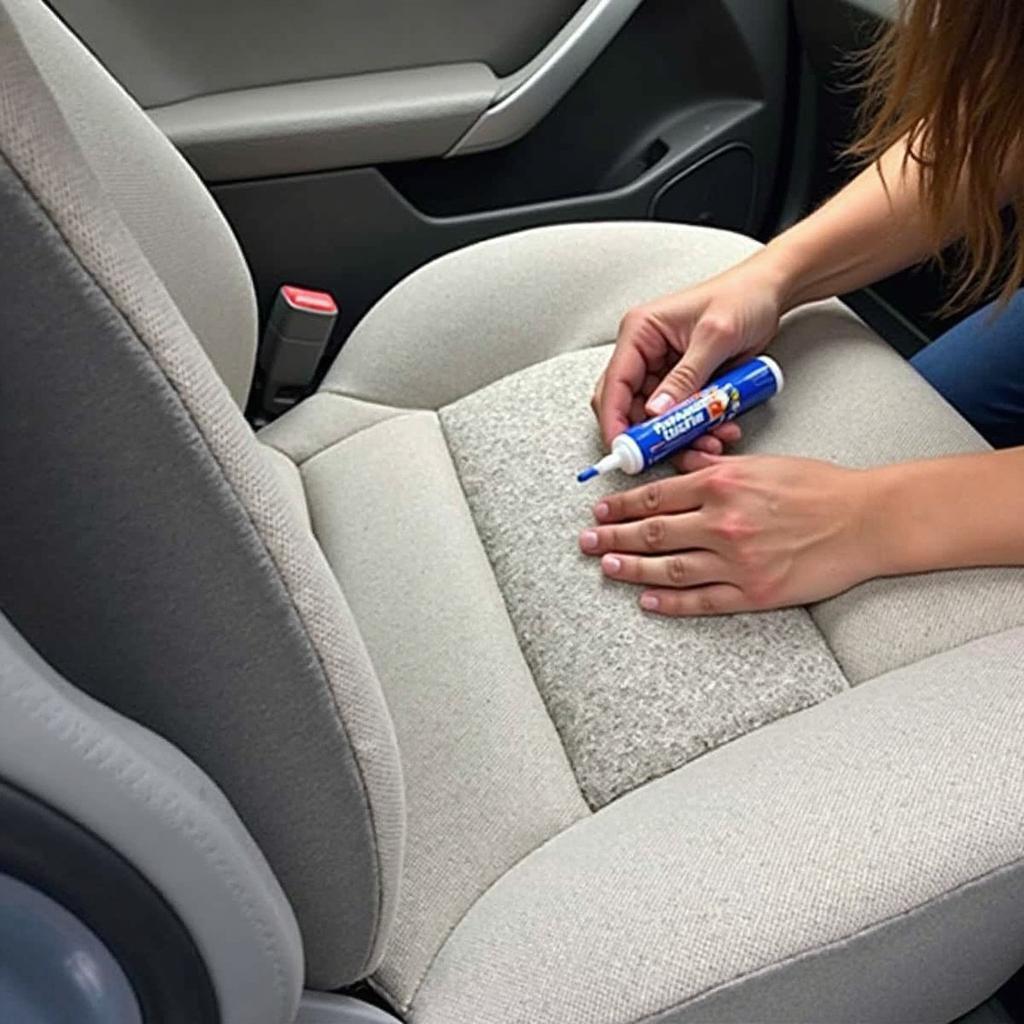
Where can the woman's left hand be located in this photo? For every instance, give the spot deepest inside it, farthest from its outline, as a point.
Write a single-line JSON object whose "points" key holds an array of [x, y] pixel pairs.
{"points": [[739, 533]]}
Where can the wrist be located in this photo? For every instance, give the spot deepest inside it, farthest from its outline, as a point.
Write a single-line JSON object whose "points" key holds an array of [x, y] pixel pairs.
{"points": [[901, 530], [882, 536], [779, 267]]}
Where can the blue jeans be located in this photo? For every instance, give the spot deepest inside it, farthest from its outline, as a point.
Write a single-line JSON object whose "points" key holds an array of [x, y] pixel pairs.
{"points": [[978, 367]]}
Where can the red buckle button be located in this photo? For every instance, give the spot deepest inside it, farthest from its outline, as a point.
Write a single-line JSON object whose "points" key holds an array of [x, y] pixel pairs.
{"points": [[308, 300]]}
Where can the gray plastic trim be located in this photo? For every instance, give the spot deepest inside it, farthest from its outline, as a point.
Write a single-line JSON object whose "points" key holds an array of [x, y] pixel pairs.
{"points": [[151, 804], [525, 97], [327, 1008], [327, 124]]}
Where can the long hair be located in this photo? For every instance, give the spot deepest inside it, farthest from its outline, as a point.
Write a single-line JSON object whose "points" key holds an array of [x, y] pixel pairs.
{"points": [[949, 77]]}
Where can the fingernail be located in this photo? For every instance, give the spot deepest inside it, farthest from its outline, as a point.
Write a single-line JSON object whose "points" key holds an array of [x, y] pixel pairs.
{"points": [[601, 510], [649, 602], [589, 539], [660, 403], [611, 564]]}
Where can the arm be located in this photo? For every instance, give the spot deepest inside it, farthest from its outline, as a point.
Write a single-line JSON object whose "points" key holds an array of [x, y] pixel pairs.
{"points": [[873, 227], [926, 514]]}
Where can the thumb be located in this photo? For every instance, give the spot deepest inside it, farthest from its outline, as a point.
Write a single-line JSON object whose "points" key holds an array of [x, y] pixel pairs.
{"points": [[689, 375]]}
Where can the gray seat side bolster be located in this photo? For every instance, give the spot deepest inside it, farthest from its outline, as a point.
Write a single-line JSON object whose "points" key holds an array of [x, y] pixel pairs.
{"points": [[149, 802], [290, 480], [487, 779]]}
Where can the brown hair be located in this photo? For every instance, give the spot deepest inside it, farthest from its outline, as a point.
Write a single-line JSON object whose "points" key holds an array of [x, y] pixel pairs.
{"points": [[949, 76]]}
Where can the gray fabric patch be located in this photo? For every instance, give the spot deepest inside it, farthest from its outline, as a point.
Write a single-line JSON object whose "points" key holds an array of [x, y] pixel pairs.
{"points": [[632, 695]]}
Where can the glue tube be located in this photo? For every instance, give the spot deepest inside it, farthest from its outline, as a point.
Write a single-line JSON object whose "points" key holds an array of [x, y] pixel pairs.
{"points": [[723, 399]]}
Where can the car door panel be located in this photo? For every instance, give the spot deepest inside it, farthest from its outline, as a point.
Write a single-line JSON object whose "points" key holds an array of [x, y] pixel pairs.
{"points": [[328, 123], [167, 52], [385, 116], [526, 96]]}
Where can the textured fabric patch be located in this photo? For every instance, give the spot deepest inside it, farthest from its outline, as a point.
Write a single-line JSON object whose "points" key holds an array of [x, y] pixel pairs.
{"points": [[633, 696]]}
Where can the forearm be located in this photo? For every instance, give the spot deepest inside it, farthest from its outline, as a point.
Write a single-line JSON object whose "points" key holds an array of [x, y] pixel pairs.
{"points": [[873, 227], [947, 513], [866, 231]]}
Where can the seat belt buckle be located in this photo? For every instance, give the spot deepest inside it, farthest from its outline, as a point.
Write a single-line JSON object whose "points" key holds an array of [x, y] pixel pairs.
{"points": [[294, 342]]}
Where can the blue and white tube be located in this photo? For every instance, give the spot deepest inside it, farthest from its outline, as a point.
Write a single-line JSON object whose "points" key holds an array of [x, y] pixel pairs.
{"points": [[723, 399]]}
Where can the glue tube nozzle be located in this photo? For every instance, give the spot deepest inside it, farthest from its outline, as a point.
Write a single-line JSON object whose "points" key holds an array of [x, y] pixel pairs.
{"points": [[605, 465]]}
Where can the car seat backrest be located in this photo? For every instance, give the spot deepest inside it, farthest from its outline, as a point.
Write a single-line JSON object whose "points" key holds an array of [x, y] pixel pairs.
{"points": [[146, 551], [168, 210]]}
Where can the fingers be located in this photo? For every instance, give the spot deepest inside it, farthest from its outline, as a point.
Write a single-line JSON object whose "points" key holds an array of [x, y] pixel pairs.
{"points": [[660, 497], [657, 534], [728, 433], [709, 444], [650, 383], [694, 460], [710, 343], [714, 599], [681, 569], [617, 393], [636, 410], [595, 398], [714, 442], [640, 347]]}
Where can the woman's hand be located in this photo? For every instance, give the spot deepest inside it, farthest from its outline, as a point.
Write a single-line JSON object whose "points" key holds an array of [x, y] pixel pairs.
{"points": [[669, 348], [739, 533]]}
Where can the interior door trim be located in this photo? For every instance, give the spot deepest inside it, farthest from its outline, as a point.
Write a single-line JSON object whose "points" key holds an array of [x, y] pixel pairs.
{"points": [[524, 97], [300, 127]]}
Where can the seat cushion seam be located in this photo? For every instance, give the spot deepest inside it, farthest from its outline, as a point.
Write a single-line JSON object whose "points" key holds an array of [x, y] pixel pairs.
{"points": [[293, 609], [331, 445], [385, 993], [328, 390], [341, 393], [426, 971], [508, 613], [814, 951], [828, 647], [934, 654], [407, 1005]]}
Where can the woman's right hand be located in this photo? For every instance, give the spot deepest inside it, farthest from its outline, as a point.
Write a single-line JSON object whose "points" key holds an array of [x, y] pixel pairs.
{"points": [[669, 348]]}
